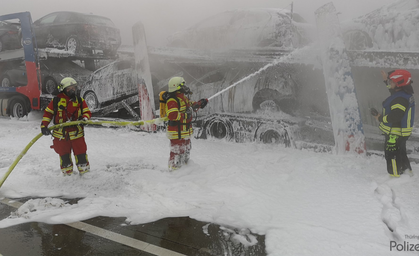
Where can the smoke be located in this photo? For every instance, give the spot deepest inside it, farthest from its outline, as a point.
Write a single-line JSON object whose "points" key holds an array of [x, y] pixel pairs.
{"points": [[164, 17]]}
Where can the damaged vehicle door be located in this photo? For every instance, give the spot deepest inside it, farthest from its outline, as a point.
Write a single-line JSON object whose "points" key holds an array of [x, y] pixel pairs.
{"points": [[111, 83]]}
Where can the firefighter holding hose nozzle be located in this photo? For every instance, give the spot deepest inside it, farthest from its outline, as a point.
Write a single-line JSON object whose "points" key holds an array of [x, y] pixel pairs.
{"points": [[179, 110]]}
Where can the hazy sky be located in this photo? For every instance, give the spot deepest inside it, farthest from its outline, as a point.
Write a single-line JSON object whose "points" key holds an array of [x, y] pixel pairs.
{"points": [[163, 17]]}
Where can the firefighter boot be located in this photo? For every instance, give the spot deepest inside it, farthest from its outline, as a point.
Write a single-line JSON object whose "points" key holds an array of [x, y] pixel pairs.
{"points": [[174, 163], [82, 163], [66, 165], [187, 154], [83, 168]]}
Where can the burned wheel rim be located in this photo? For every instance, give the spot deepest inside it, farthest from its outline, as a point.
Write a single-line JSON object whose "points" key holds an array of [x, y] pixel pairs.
{"points": [[269, 106], [5, 82], [71, 44], [91, 100], [218, 130], [50, 86], [274, 137]]}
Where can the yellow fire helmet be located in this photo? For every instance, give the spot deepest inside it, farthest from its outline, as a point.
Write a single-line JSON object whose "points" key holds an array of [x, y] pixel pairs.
{"points": [[66, 82], [176, 83]]}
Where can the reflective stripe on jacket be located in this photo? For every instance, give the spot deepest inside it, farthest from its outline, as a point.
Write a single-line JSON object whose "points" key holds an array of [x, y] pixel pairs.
{"points": [[398, 114], [178, 126], [66, 111]]}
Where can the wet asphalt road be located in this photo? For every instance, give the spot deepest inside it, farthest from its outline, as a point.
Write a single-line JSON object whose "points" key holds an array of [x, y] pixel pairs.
{"points": [[112, 236]]}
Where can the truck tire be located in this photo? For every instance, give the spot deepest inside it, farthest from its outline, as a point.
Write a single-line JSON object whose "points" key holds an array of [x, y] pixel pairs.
{"points": [[273, 134], [219, 129], [3, 107], [18, 108], [274, 137], [91, 100]]}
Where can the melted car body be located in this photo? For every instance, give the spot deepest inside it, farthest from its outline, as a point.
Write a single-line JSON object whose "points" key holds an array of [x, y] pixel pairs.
{"points": [[244, 28], [110, 83]]}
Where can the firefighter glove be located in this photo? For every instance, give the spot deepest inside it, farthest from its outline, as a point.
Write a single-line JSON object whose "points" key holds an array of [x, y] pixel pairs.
{"points": [[199, 104], [203, 102], [391, 144], [82, 119], [45, 131], [374, 112], [391, 147]]}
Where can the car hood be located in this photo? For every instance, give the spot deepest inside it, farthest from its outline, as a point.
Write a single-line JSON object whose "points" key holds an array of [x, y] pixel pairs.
{"points": [[61, 69]]}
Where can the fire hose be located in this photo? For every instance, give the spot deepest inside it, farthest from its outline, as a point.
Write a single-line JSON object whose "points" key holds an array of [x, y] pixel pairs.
{"points": [[91, 122]]}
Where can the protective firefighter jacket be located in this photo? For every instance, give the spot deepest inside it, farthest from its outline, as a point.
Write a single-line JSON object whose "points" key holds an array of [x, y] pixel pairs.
{"points": [[398, 114], [66, 110], [179, 125]]}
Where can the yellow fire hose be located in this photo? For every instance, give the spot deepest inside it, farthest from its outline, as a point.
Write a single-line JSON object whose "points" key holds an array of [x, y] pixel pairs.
{"points": [[103, 123]]}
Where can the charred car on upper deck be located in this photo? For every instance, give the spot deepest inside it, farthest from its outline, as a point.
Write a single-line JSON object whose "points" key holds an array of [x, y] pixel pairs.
{"points": [[78, 33], [392, 28], [244, 28], [254, 28]]}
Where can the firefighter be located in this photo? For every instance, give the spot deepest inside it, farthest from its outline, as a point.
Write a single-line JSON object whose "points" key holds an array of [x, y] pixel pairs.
{"points": [[179, 111], [68, 106], [397, 119]]}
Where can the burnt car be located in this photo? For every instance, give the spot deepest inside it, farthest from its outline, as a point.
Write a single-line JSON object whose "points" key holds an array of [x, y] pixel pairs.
{"points": [[392, 28], [245, 28], [78, 33], [356, 39], [52, 72], [9, 36], [109, 84]]}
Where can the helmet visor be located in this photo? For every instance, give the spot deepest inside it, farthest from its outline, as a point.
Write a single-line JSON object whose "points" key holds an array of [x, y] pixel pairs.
{"points": [[71, 88]]}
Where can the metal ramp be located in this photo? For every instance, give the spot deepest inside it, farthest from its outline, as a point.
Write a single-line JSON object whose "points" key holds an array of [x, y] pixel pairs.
{"points": [[365, 58], [10, 55], [126, 103]]}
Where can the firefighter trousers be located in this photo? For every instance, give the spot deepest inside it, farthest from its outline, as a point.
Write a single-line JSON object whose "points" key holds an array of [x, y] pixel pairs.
{"points": [[396, 154], [64, 148], [180, 150]]}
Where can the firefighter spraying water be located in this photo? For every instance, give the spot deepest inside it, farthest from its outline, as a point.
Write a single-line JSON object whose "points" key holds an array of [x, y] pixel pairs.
{"points": [[176, 105]]}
